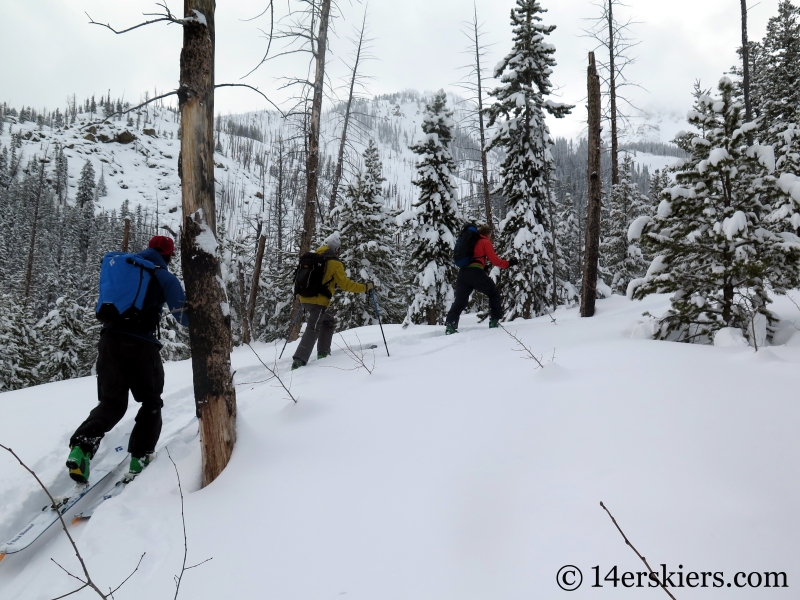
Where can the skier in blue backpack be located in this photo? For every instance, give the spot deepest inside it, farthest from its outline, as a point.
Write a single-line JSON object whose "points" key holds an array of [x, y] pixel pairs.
{"points": [[128, 354]]}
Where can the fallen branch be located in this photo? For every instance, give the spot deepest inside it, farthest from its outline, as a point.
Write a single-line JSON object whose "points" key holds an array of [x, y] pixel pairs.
{"points": [[184, 568], [356, 355], [87, 582], [524, 348], [644, 560], [274, 373]]}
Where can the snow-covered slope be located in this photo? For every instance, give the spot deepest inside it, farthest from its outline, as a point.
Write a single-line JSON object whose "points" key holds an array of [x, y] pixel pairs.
{"points": [[456, 470]]}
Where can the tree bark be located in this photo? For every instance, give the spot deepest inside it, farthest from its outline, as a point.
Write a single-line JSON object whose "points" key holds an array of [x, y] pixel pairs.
{"points": [[209, 313], [612, 88], [312, 158], [487, 201], [337, 175], [592, 252], [748, 108], [251, 305], [126, 234]]}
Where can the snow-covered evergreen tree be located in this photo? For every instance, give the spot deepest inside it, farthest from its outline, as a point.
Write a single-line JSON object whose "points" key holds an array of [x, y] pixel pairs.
{"points": [[434, 221], [368, 252], [713, 247], [101, 190], [86, 185], [570, 240], [66, 348], [779, 72], [521, 133], [622, 259], [17, 363]]}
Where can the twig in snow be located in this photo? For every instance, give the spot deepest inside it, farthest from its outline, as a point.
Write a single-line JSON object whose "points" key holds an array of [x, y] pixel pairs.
{"points": [[356, 355], [184, 568], [644, 560], [524, 348], [88, 581], [274, 373]]}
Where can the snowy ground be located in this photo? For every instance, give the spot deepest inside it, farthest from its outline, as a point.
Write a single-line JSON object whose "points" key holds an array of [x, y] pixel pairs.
{"points": [[455, 471]]}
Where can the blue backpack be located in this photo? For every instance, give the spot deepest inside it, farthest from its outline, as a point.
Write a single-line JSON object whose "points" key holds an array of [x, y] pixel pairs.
{"points": [[465, 246], [123, 285]]}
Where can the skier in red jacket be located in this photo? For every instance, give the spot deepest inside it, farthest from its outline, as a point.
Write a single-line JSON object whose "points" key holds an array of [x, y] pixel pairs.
{"points": [[474, 277]]}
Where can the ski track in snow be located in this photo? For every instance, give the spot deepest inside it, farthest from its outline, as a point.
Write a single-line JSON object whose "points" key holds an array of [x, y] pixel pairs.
{"points": [[457, 470]]}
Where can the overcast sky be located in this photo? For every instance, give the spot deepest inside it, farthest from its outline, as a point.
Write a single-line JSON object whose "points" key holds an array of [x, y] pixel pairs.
{"points": [[50, 51]]}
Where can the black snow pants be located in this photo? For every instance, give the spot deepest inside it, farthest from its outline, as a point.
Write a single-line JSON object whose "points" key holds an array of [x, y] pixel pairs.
{"points": [[125, 363], [469, 279], [319, 331]]}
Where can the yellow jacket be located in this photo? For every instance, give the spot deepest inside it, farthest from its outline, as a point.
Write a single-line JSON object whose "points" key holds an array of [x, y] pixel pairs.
{"points": [[334, 276]]}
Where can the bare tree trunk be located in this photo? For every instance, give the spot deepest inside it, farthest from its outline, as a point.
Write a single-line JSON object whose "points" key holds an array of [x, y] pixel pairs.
{"points": [[748, 108], [251, 305], [589, 287], [555, 246], [210, 322], [312, 158], [243, 304], [337, 175], [487, 201], [612, 90], [126, 234], [34, 227]]}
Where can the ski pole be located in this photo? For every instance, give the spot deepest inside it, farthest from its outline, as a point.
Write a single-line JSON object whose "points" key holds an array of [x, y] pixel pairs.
{"points": [[297, 316], [378, 312]]}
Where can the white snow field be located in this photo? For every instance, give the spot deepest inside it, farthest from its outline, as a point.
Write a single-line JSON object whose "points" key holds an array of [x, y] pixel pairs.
{"points": [[456, 470]]}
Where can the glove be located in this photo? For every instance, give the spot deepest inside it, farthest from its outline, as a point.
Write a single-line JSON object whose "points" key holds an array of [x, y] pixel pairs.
{"points": [[513, 262], [370, 287]]}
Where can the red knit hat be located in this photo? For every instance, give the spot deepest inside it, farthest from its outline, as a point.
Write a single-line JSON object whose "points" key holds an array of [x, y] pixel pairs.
{"points": [[163, 244]]}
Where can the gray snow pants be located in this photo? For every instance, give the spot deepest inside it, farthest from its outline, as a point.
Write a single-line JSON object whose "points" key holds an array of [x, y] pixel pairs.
{"points": [[319, 331]]}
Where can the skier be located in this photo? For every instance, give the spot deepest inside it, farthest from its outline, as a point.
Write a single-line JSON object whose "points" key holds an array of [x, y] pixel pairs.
{"points": [[128, 360], [474, 277], [321, 323]]}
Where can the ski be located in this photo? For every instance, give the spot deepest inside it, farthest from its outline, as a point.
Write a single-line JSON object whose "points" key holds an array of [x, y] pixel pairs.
{"points": [[118, 488], [49, 515]]}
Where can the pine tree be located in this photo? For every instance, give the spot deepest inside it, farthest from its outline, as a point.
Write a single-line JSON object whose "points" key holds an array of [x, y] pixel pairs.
{"points": [[435, 221], [64, 343], [368, 253], [710, 239], [86, 185], [16, 366], [521, 133], [569, 238], [622, 259], [101, 191], [779, 72]]}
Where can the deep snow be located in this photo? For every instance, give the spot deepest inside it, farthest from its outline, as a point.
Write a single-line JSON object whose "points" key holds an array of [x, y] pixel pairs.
{"points": [[456, 470]]}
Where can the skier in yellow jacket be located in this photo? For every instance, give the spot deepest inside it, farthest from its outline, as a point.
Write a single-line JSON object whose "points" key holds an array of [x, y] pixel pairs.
{"points": [[321, 322]]}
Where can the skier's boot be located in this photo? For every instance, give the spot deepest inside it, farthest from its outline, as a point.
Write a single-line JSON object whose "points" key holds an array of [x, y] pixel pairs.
{"points": [[494, 323], [321, 355], [138, 464], [450, 329], [78, 464], [297, 363]]}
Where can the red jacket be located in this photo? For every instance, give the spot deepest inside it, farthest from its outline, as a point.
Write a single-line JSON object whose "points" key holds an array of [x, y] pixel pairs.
{"points": [[484, 250]]}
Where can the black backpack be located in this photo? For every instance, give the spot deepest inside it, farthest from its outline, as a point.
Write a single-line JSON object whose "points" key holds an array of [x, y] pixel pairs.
{"points": [[465, 245], [308, 279]]}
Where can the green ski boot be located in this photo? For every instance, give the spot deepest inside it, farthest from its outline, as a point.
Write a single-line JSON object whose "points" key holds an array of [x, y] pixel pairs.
{"points": [[322, 355], [138, 464], [78, 464], [297, 364], [449, 329], [494, 323]]}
